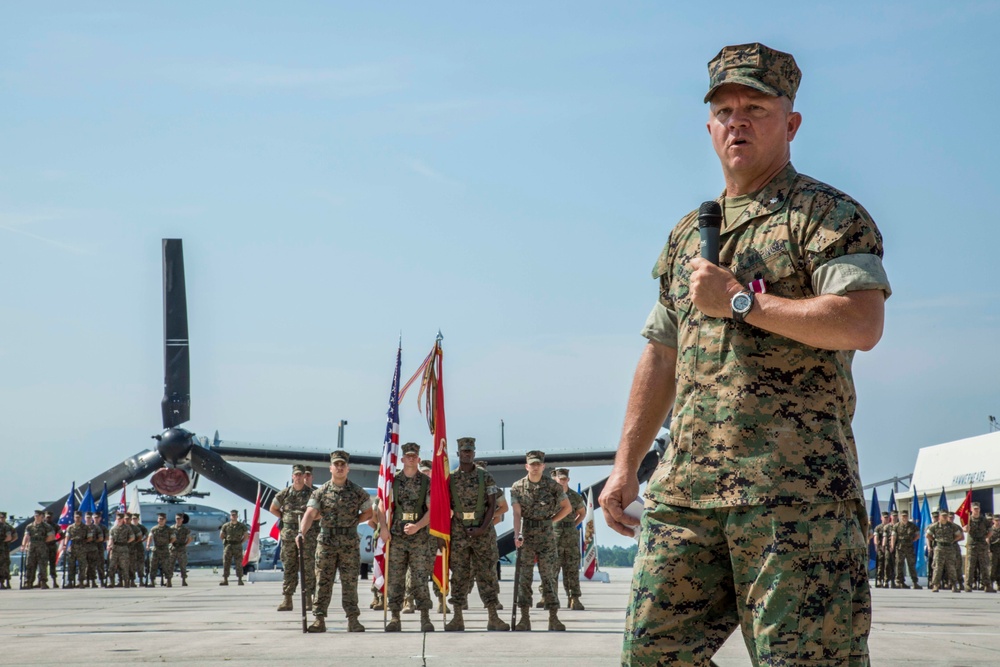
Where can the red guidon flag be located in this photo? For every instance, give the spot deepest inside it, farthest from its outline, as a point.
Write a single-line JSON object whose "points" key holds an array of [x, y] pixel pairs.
{"points": [[440, 509], [253, 546], [965, 509]]}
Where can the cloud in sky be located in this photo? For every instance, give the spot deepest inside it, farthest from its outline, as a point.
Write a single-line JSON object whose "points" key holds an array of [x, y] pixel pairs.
{"points": [[421, 168], [15, 223]]}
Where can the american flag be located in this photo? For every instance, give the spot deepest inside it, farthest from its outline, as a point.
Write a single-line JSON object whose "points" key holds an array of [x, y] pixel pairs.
{"points": [[122, 503], [387, 469]]}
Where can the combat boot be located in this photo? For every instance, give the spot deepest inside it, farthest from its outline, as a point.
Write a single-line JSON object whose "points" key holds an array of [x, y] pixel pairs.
{"points": [[69, 585], [394, 624], [499, 607], [524, 625], [989, 588], [902, 584], [968, 589], [917, 587], [457, 623], [29, 585], [376, 603], [408, 606], [43, 585], [239, 582], [318, 625], [575, 604], [184, 581], [55, 584], [495, 622], [956, 589], [286, 604], [170, 583], [554, 623], [935, 589], [224, 582], [425, 621], [354, 625], [541, 604]]}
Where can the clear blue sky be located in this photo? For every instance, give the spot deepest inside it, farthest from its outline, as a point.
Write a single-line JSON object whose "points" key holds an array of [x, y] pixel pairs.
{"points": [[341, 173]]}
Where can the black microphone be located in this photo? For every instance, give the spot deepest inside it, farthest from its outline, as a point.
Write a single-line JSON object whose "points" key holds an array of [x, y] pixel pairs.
{"points": [[709, 223]]}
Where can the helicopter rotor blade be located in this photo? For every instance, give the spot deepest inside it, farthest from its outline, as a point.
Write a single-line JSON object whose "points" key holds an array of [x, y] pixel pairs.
{"points": [[176, 403]]}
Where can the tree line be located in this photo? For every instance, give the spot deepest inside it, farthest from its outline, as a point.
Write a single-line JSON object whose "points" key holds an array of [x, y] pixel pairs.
{"points": [[617, 556]]}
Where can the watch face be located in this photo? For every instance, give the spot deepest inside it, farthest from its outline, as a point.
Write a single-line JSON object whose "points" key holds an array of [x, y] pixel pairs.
{"points": [[742, 303]]}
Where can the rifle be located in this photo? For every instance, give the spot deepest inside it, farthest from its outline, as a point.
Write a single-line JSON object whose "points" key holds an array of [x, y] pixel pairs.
{"points": [[21, 585], [517, 578], [147, 578], [302, 580]]}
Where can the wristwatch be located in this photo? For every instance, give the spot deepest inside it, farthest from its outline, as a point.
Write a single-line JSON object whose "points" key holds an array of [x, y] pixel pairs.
{"points": [[741, 304]]}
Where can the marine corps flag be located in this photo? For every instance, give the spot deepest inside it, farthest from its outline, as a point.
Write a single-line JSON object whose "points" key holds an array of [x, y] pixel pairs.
{"points": [[440, 509], [964, 509]]}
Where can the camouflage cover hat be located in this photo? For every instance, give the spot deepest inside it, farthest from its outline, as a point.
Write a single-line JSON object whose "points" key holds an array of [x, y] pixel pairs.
{"points": [[562, 472], [298, 468], [466, 444], [935, 513], [535, 456], [884, 513], [47, 512], [236, 512], [39, 513], [894, 513], [410, 448], [308, 470], [425, 465], [161, 515], [340, 455], [755, 66], [976, 505], [905, 513]]}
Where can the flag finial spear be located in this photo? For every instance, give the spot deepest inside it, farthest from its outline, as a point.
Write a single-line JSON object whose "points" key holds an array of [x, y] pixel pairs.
{"points": [[439, 336]]}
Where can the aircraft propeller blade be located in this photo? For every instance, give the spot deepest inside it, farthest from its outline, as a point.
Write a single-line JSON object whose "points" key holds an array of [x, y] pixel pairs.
{"points": [[213, 467], [176, 403]]}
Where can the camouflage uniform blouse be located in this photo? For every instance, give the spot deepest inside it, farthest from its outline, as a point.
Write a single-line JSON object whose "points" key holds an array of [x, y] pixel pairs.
{"points": [[568, 525], [293, 505], [181, 536], [339, 507], [233, 533], [905, 532], [978, 530], [161, 536], [944, 534], [120, 535], [409, 504], [76, 536], [465, 495], [39, 533], [539, 500], [759, 418]]}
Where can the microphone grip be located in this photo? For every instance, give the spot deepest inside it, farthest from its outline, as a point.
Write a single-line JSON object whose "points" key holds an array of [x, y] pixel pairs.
{"points": [[710, 244], [709, 224]]}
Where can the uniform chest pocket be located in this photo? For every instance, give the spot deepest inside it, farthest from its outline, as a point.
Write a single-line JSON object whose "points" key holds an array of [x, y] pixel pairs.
{"points": [[777, 268]]}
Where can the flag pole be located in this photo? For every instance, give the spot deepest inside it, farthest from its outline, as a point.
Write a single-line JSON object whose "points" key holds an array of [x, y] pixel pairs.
{"points": [[385, 585]]}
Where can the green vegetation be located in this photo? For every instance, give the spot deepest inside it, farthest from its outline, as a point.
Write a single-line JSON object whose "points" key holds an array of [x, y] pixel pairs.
{"points": [[617, 556]]}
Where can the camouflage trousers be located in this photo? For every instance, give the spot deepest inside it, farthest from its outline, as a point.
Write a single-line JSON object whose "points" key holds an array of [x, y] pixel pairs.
{"points": [[471, 559], [568, 547], [119, 564], [179, 559], [290, 563], [95, 560], [4, 562], [409, 556], [232, 557], [882, 565], [161, 563], [793, 578], [338, 553], [977, 564], [540, 545], [906, 559], [53, 555], [38, 560], [432, 549], [138, 561], [945, 565], [995, 564], [76, 570]]}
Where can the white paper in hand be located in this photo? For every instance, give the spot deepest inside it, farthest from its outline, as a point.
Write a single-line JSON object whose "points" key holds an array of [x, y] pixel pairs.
{"points": [[635, 510]]}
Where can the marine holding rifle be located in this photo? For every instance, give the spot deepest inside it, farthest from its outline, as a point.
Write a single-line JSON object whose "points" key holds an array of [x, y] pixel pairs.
{"points": [[289, 506]]}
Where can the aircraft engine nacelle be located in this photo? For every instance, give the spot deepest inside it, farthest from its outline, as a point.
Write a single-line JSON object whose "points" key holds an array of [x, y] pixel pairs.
{"points": [[172, 481]]}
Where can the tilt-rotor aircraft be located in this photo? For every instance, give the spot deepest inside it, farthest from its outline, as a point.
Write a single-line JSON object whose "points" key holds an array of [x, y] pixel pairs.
{"points": [[180, 457]]}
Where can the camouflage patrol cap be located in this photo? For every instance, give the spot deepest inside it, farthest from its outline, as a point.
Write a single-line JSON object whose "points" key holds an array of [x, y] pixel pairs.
{"points": [[340, 455], [298, 468], [976, 505], [562, 472], [894, 513], [47, 512], [78, 513], [425, 465], [3, 514], [466, 444], [904, 513], [884, 513], [935, 513], [755, 66], [232, 512], [161, 515], [535, 456], [410, 448], [39, 513], [120, 515], [307, 469]]}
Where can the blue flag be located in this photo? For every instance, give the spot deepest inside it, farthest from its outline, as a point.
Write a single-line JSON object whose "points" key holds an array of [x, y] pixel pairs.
{"points": [[875, 518], [102, 505], [892, 501], [925, 522], [87, 504], [943, 503]]}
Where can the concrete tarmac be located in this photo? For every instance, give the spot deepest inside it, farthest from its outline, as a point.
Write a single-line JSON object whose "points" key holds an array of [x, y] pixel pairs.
{"points": [[205, 624]]}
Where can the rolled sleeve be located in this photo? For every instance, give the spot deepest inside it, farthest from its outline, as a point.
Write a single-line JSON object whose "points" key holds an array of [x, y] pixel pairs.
{"points": [[661, 326], [850, 273]]}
